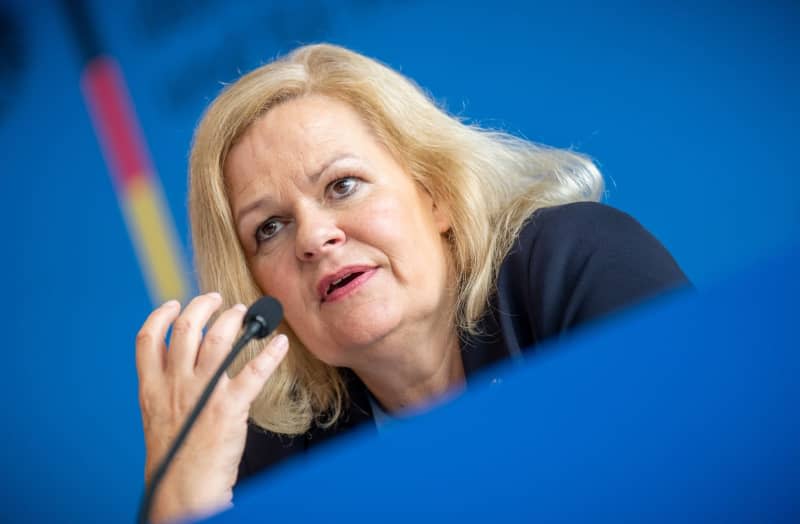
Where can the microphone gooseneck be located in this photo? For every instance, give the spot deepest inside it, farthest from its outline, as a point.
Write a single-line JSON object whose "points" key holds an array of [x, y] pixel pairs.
{"points": [[260, 320]]}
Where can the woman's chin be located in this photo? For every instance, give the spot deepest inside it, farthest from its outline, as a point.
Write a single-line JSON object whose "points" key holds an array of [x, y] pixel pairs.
{"points": [[347, 342], [364, 335]]}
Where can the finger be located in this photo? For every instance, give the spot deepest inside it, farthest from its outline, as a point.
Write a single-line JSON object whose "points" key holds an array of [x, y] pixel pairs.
{"points": [[219, 339], [187, 331], [248, 383], [150, 341]]}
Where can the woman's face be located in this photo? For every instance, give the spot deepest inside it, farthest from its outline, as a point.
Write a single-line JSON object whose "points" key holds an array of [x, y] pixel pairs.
{"points": [[337, 231]]}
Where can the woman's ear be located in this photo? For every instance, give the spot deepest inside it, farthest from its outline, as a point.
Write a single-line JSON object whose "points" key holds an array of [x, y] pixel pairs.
{"points": [[441, 217], [439, 209]]}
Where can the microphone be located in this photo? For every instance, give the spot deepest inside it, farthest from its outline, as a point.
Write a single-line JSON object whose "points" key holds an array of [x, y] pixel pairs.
{"points": [[260, 320], [267, 313]]}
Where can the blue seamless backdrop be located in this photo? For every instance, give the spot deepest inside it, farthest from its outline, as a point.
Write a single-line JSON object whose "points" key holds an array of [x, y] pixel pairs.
{"points": [[690, 111]]}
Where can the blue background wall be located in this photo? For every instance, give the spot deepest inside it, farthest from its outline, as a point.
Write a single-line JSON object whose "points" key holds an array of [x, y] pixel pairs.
{"points": [[690, 111]]}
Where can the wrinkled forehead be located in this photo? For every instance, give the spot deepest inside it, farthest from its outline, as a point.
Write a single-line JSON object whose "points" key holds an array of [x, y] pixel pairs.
{"points": [[297, 138]]}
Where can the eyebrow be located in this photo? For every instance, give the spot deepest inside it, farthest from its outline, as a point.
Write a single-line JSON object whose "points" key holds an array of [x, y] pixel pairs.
{"points": [[262, 202]]}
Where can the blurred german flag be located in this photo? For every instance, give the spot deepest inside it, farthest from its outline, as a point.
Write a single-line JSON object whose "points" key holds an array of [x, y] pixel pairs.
{"points": [[147, 215]]}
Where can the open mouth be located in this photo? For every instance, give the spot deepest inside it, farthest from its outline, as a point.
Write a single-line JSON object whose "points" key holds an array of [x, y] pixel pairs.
{"points": [[342, 282], [345, 282]]}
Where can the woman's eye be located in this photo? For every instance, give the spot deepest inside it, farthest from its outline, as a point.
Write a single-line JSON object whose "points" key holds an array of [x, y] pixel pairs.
{"points": [[268, 230], [342, 187]]}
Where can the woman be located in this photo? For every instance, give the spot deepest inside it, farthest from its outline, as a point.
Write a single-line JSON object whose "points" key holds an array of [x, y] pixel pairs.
{"points": [[408, 250]]}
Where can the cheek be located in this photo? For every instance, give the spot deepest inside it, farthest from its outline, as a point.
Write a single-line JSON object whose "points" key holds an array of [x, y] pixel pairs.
{"points": [[276, 278], [405, 234], [279, 277], [388, 222]]}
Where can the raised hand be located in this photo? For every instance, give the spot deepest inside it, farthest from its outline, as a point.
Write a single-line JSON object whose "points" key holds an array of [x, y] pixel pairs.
{"points": [[171, 378]]}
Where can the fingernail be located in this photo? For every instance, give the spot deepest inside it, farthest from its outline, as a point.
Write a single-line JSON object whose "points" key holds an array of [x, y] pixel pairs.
{"points": [[215, 295], [280, 342], [170, 303], [277, 346], [240, 307]]}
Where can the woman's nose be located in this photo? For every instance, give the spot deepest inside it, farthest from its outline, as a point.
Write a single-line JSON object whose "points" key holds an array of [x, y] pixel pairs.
{"points": [[317, 233]]}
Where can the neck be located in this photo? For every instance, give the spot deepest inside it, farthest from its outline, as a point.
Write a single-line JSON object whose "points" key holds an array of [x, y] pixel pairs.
{"points": [[416, 373]]}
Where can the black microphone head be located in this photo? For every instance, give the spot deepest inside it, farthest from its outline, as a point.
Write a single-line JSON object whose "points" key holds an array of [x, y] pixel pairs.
{"points": [[267, 313]]}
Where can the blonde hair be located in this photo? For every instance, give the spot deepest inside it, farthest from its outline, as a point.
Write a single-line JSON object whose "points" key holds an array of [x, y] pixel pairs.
{"points": [[488, 181]]}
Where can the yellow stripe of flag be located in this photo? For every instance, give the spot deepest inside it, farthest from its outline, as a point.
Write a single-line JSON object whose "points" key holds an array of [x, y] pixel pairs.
{"points": [[154, 239]]}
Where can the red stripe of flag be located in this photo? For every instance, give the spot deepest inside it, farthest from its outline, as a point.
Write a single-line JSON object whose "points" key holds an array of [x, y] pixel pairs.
{"points": [[115, 121]]}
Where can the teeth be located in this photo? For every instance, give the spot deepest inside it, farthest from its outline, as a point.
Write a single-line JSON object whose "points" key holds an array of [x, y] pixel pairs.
{"points": [[335, 283]]}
